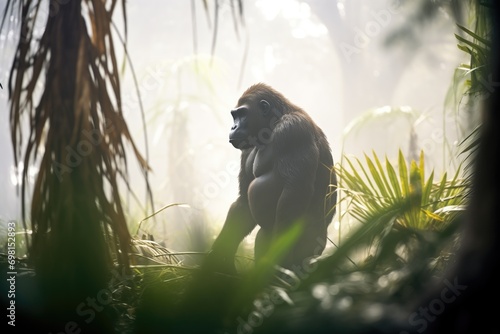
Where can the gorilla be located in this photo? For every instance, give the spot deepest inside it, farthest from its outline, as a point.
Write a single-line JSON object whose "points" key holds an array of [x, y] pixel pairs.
{"points": [[286, 177]]}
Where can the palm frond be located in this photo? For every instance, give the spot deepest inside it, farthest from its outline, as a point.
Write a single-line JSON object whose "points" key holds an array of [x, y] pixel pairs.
{"points": [[65, 86], [478, 46], [370, 188]]}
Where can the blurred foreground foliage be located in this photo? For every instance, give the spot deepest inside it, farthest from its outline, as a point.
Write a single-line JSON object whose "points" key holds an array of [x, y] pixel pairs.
{"points": [[406, 237]]}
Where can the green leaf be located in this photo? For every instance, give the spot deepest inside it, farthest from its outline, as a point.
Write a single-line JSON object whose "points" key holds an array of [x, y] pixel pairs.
{"points": [[393, 178], [366, 181], [433, 215], [403, 174], [376, 177], [426, 190], [476, 36], [421, 166], [384, 177], [441, 187], [476, 47], [465, 49]]}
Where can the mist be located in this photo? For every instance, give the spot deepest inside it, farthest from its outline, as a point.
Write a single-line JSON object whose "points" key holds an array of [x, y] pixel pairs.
{"points": [[372, 76]]}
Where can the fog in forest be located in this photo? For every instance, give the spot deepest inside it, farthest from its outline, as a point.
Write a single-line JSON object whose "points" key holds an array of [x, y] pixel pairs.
{"points": [[370, 74]]}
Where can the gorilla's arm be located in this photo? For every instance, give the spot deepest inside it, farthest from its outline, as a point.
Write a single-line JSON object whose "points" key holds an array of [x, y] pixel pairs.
{"points": [[239, 223], [296, 163]]}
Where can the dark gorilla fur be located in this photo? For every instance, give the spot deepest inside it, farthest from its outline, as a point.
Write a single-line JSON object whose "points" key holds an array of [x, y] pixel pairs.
{"points": [[286, 177]]}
